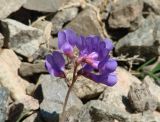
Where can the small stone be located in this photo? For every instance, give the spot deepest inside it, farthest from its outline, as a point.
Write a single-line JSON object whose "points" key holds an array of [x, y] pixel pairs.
{"points": [[90, 24], [12, 6], [141, 99], [4, 95], [154, 88], [124, 13], [44, 6], [1, 40], [24, 40], [54, 91], [63, 17], [142, 42], [99, 111], [10, 79], [152, 6], [28, 69]]}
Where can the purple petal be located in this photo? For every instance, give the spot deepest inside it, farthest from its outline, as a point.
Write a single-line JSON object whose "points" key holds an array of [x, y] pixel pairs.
{"points": [[67, 49], [107, 65], [61, 39], [55, 63], [107, 79], [71, 36], [109, 44], [112, 80]]}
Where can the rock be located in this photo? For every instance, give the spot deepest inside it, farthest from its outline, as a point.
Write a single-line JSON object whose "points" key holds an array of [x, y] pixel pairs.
{"points": [[1, 40], [33, 118], [117, 95], [24, 40], [124, 13], [87, 89], [89, 25], [63, 17], [155, 89], [152, 6], [54, 91], [39, 54], [4, 94], [9, 64], [28, 69], [141, 99], [142, 42], [12, 6], [99, 111], [147, 116], [44, 6], [45, 26], [53, 43]]}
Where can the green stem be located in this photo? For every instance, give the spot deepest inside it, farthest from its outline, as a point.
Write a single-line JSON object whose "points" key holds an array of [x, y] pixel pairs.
{"points": [[62, 119]]}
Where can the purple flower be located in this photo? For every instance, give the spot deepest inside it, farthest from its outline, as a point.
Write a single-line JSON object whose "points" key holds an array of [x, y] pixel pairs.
{"points": [[93, 56], [55, 63], [66, 41]]}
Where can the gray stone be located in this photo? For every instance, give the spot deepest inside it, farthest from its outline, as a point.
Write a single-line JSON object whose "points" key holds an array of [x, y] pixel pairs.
{"points": [[4, 94], [89, 25], [87, 89], [54, 91], [1, 40], [154, 88], [124, 13], [99, 111], [152, 6], [45, 6], [143, 41], [28, 69], [24, 40], [141, 99], [63, 17], [9, 6]]}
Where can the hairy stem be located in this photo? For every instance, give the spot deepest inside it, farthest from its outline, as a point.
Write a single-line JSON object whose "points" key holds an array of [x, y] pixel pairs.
{"points": [[68, 93]]}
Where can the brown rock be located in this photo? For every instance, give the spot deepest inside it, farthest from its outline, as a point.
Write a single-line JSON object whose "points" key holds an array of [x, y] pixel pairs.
{"points": [[141, 98], [9, 64], [9, 6], [86, 23], [125, 12]]}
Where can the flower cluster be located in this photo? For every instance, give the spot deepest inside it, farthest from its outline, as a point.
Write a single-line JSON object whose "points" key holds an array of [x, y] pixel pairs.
{"points": [[96, 64]]}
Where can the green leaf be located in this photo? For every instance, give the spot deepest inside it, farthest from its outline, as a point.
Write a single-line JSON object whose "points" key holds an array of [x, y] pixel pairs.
{"points": [[156, 69]]}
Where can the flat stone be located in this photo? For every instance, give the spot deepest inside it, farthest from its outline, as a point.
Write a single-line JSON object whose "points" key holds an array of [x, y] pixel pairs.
{"points": [[99, 111], [4, 94], [154, 88], [44, 6], [63, 17], [12, 6], [28, 69], [24, 40], [54, 91], [90, 24], [124, 13], [141, 99], [143, 41], [13, 82]]}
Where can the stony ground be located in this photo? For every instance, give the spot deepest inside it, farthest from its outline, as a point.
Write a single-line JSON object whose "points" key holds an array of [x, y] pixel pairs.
{"points": [[28, 31]]}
